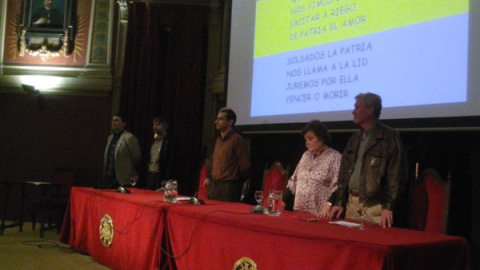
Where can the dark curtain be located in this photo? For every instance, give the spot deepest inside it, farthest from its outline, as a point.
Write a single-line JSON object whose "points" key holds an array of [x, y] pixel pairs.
{"points": [[164, 75]]}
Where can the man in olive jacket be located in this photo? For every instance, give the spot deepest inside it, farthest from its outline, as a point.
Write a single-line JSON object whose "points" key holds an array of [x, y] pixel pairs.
{"points": [[373, 171], [122, 155]]}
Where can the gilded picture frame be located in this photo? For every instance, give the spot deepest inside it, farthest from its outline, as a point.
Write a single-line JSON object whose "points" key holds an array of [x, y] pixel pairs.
{"points": [[46, 27]]}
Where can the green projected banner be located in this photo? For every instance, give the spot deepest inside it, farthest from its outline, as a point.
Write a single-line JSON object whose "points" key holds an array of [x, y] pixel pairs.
{"points": [[286, 25]]}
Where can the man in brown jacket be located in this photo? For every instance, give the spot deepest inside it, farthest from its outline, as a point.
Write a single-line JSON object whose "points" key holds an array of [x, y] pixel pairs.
{"points": [[230, 161], [373, 170]]}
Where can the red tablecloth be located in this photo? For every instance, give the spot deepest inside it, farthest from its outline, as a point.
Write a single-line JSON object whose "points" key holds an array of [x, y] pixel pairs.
{"points": [[216, 236], [138, 220]]}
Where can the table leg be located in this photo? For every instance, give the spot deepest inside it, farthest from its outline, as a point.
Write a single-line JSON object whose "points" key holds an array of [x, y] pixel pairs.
{"points": [[5, 206], [44, 209], [22, 204], [19, 222]]}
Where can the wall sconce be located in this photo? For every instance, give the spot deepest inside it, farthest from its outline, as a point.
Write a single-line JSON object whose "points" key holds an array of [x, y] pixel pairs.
{"points": [[30, 89], [33, 94]]}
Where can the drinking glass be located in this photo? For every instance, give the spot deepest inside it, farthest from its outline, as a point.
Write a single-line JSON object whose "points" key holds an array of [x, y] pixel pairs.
{"points": [[361, 212], [170, 193], [259, 196], [274, 202]]}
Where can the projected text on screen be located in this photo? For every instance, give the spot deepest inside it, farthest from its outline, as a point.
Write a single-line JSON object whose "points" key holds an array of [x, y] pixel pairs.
{"points": [[316, 55]]}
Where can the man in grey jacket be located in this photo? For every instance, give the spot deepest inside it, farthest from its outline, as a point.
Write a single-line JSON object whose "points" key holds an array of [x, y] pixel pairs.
{"points": [[122, 155]]}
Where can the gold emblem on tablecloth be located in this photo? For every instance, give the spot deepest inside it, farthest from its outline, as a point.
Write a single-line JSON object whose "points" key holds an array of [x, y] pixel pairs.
{"points": [[245, 264], [106, 231]]}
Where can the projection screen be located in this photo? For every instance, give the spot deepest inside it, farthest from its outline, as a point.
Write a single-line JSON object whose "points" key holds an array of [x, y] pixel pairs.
{"points": [[291, 61]]}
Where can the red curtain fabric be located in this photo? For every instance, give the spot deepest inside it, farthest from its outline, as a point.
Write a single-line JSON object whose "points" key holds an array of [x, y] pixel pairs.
{"points": [[164, 74], [144, 67]]}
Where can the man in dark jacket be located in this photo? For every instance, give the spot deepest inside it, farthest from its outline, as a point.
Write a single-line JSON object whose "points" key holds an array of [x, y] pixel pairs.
{"points": [[373, 171], [162, 156]]}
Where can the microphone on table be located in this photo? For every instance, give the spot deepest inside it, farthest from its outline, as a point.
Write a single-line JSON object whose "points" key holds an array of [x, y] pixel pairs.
{"points": [[259, 209], [121, 189], [195, 200]]}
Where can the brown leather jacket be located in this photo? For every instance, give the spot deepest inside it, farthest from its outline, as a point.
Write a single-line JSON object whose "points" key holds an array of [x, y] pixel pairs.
{"points": [[384, 169]]}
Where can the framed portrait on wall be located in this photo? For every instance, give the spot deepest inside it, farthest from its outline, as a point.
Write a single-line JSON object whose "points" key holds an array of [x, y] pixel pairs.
{"points": [[47, 15], [46, 27]]}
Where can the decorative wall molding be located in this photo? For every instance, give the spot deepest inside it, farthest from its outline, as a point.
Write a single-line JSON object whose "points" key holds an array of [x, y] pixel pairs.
{"points": [[100, 38]]}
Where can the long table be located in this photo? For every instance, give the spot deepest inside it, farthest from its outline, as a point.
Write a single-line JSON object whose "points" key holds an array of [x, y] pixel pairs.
{"points": [[221, 235]]}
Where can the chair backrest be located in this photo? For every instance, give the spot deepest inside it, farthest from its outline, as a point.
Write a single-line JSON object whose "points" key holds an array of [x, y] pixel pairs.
{"points": [[429, 202], [67, 177], [202, 191], [275, 177]]}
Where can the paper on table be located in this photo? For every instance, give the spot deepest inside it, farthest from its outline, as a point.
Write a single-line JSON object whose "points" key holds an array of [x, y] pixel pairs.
{"points": [[37, 183], [345, 223]]}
